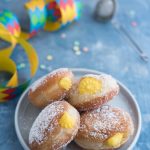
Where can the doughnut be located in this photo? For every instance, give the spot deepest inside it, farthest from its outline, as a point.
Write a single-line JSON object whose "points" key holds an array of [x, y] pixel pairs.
{"points": [[55, 127], [104, 128], [91, 91], [50, 88]]}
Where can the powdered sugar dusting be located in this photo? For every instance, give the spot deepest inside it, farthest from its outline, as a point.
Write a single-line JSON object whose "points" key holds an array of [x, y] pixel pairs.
{"points": [[43, 122], [43, 80], [109, 86], [103, 121]]}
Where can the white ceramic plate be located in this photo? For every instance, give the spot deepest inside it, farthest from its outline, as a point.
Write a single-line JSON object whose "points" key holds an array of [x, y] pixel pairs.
{"points": [[26, 113]]}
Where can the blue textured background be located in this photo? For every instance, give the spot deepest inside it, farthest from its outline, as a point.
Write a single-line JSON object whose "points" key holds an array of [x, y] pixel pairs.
{"points": [[108, 52]]}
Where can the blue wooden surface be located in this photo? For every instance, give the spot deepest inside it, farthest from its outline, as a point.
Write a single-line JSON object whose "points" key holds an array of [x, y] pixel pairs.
{"points": [[108, 52]]}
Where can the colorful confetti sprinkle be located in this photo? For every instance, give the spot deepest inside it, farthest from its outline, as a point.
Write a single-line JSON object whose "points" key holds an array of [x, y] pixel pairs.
{"points": [[63, 35], [85, 49], [49, 57], [21, 66], [43, 67], [76, 48], [78, 53], [133, 23]]}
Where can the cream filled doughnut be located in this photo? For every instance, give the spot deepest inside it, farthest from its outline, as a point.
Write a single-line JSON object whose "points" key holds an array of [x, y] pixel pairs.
{"points": [[50, 88], [91, 91], [104, 128], [55, 127]]}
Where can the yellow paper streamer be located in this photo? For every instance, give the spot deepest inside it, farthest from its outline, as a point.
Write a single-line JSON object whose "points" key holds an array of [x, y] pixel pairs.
{"points": [[6, 64], [6, 36], [63, 13]]}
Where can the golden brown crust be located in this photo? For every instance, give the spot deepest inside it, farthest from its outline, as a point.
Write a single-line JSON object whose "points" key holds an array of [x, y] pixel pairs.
{"points": [[54, 137], [85, 102], [48, 90], [96, 102], [98, 125]]}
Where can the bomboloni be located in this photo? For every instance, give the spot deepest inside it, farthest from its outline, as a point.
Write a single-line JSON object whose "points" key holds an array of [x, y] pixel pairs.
{"points": [[50, 88]]}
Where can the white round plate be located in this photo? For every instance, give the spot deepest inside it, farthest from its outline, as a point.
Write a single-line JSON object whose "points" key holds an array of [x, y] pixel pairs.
{"points": [[26, 113]]}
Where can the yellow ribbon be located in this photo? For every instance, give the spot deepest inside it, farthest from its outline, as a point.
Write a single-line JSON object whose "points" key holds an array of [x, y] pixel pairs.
{"points": [[36, 10], [8, 37], [8, 65]]}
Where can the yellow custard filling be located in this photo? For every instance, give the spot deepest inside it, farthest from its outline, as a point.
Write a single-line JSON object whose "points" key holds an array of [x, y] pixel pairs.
{"points": [[115, 140], [89, 85], [65, 83], [66, 121]]}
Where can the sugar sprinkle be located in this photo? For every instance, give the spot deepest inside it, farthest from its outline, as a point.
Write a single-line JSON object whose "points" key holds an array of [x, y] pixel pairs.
{"points": [[42, 66], [76, 48], [45, 122], [85, 49], [133, 23], [49, 57], [78, 53], [21, 66], [63, 36]]}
